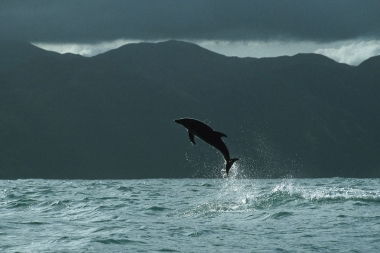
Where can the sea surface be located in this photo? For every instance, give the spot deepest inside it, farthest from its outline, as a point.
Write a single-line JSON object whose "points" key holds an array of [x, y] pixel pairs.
{"points": [[190, 215]]}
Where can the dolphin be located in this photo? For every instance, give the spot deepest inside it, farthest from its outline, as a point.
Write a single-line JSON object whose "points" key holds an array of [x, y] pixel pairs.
{"points": [[206, 133]]}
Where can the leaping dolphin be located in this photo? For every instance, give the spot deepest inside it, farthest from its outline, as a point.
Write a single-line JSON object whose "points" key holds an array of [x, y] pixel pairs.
{"points": [[207, 134]]}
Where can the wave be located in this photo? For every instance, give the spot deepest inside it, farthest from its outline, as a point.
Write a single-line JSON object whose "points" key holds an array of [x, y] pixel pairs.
{"points": [[279, 197]]}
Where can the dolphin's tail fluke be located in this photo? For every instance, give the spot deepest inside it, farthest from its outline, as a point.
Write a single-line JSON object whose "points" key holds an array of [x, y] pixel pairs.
{"points": [[229, 164]]}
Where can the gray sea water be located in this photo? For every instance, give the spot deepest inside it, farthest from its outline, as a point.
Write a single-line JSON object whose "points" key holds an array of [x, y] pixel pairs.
{"points": [[190, 215]]}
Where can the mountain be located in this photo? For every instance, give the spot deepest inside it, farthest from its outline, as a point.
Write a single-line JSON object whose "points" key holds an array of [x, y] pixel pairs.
{"points": [[111, 115], [15, 53]]}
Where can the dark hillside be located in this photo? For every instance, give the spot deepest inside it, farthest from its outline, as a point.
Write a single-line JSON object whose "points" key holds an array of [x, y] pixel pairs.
{"points": [[111, 116]]}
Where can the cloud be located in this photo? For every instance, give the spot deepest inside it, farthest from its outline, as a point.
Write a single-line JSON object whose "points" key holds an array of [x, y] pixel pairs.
{"points": [[349, 52], [72, 21], [259, 49], [84, 48], [352, 53], [255, 49]]}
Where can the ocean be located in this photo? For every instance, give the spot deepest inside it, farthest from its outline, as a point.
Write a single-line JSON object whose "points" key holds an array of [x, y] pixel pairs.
{"points": [[190, 215]]}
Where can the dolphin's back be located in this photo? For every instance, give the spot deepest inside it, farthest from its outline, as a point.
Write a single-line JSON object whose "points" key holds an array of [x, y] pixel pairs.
{"points": [[207, 134], [196, 125]]}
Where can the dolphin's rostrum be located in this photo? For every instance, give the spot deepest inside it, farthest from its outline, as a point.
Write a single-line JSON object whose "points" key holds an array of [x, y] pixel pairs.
{"points": [[206, 133]]}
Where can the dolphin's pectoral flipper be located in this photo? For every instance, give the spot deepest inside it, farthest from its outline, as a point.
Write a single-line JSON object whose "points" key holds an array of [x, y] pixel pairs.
{"points": [[220, 134], [191, 136]]}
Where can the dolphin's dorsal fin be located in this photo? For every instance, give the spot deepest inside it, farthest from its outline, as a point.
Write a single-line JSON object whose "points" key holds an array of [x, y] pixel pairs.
{"points": [[220, 134], [191, 136]]}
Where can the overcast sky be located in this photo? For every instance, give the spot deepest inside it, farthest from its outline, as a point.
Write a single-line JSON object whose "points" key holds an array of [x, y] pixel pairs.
{"points": [[345, 30]]}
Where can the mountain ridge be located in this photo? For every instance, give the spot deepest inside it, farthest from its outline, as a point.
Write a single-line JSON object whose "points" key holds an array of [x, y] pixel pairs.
{"points": [[100, 116]]}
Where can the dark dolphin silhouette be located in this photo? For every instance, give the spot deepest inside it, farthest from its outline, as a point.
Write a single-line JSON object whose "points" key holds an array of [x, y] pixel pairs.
{"points": [[206, 133]]}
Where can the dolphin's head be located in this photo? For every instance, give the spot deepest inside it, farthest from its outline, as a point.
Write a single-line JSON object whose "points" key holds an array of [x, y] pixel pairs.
{"points": [[180, 121]]}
